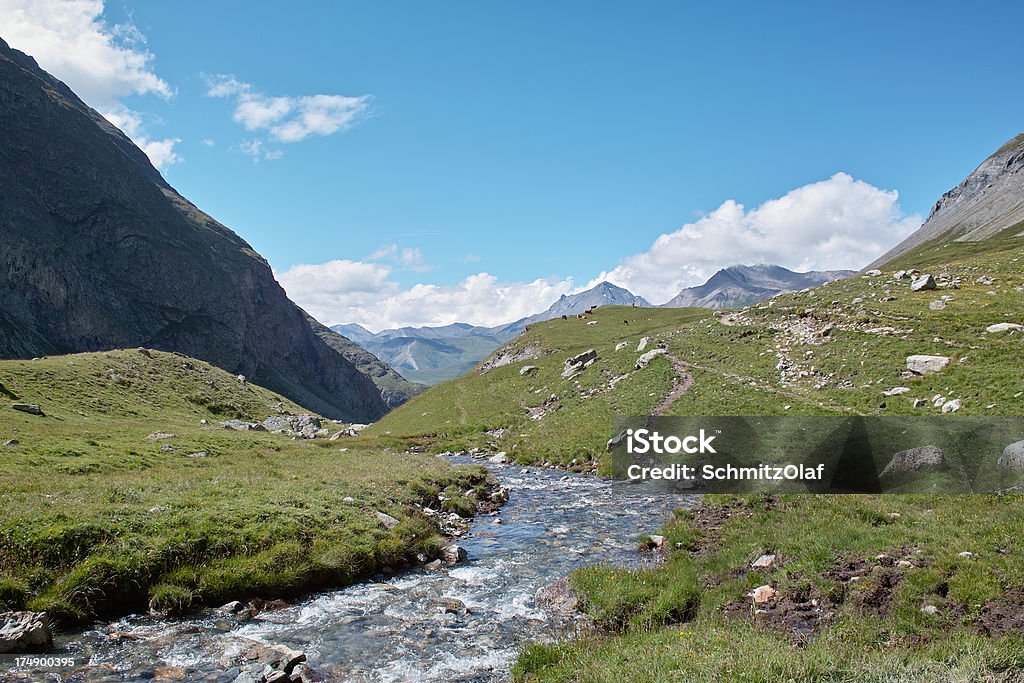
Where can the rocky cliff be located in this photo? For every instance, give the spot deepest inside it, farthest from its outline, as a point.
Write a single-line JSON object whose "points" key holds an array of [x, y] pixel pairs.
{"points": [[988, 202], [99, 252]]}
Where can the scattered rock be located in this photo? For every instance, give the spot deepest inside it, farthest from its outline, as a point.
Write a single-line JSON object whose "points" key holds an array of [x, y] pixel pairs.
{"points": [[277, 657], [923, 364], [156, 436], [511, 354], [896, 391], [579, 362], [199, 454], [644, 341], [387, 520], [11, 443], [454, 554], [655, 542], [951, 406], [930, 609], [763, 594], [241, 379], [966, 554], [621, 345], [917, 459], [30, 408], [145, 352], [922, 282], [233, 607], [1005, 327], [937, 305], [498, 458], [764, 562], [243, 426], [645, 360], [920, 403], [277, 423], [22, 632], [900, 275], [984, 280], [1012, 457], [874, 272], [528, 369]]}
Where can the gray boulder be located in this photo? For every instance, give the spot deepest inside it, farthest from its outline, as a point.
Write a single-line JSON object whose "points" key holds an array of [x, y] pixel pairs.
{"points": [[922, 283], [454, 554], [922, 364], [30, 408], [22, 632], [1012, 457], [1005, 327], [645, 360], [277, 423], [579, 362], [387, 520], [922, 458]]}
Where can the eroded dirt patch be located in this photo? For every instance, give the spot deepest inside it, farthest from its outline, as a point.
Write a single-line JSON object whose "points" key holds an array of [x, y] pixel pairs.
{"points": [[1002, 616]]}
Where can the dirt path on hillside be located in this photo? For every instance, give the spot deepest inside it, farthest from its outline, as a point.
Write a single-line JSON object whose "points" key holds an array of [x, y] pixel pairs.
{"points": [[685, 381]]}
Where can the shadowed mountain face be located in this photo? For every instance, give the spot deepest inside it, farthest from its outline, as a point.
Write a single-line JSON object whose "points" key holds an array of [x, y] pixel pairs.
{"points": [[99, 252], [738, 286], [988, 204]]}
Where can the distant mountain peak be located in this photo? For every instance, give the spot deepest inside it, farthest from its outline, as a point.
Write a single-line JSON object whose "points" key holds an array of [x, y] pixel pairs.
{"points": [[742, 285]]}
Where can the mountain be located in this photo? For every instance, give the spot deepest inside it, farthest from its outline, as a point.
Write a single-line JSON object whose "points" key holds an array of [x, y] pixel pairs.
{"points": [[737, 286], [429, 354], [987, 205], [100, 253], [435, 354], [394, 388]]}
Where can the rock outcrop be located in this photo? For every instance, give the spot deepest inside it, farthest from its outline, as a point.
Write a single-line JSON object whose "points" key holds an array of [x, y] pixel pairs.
{"points": [[101, 253]]}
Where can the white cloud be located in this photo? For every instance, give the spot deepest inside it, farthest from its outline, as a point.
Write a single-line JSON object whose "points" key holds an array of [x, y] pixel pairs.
{"points": [[345, 291], [833, 224], [255, 150], [208, 142], [408, 258], [288, 119], [99, 61]]}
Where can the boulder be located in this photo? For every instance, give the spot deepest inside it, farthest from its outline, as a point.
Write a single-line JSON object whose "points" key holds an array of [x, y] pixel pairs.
{"points": [[22, 632], [923, 364], [30, 408], [874, 272], [951, 406], [1012, 457], [922, 458], [896, 391], [643, 344], [621, 345], [243, 426], [579, 362], [156, 436], [387, 520], [528, 370], [559, 598], [454, 554], [1005, 327], [645, 360], [498, 458], [923, 282]]}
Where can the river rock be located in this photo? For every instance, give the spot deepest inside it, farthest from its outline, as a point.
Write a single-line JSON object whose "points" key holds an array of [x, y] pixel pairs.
{"points": [[498, 458], [30, 408], [923, 364], [922, 458], [454, 554], [277, 657], [922, 282], [1004, 327], [22, 632], [579, 362], [559, 598], [645, 360], [1012, 457]]}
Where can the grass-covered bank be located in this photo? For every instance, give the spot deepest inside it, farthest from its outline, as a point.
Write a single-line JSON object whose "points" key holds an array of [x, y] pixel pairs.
{"points": [[97, 518], [868, 588]]}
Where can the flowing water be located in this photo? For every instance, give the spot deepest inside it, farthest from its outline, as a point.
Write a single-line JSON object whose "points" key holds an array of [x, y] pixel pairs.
{"points": [[408, 628]]}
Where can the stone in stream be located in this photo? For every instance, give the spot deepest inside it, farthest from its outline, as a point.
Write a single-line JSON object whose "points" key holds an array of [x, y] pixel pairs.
{"points": [[1012, 457], [30, 408], [559, 598], [22, 632], [498, 458], [454, 554], [922, 364]]}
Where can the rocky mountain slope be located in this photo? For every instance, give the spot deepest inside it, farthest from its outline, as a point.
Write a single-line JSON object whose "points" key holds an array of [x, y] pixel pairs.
{"points": [[740, 285], [601, 294], [989, 203], [99, 252]]}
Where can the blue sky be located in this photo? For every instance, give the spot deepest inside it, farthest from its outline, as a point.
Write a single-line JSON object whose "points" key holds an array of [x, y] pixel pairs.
{"points": [[552, 140]]}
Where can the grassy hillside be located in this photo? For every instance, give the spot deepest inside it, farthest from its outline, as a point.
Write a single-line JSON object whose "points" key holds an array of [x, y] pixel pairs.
{"points": [[98, 518], [541, 416], [868, 587]]}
